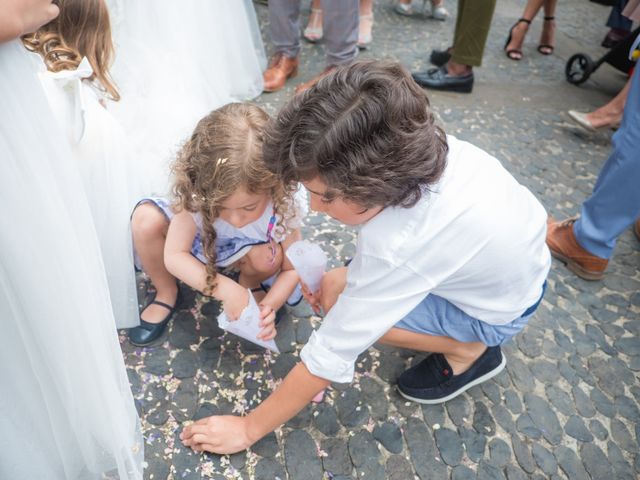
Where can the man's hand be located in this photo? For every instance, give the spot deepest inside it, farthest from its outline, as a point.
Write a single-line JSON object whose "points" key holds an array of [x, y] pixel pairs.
{"points": [[219, 434], [267, 323], [313, 299]]}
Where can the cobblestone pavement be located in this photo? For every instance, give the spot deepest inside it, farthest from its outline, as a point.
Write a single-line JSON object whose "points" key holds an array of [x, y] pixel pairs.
{"points": [[567, 405]]}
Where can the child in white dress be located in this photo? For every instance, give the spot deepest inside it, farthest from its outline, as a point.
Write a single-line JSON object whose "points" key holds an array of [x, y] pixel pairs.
{"points": [[77, 83], [175, 62], [228, 211], [66, 408]]}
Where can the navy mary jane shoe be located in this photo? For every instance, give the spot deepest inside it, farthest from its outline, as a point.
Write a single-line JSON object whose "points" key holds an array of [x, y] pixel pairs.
{"points": [[147, 332]]}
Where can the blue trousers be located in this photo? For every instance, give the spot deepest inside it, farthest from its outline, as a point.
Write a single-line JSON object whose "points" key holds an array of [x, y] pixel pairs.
{"points": [[616, 19], [615, 202]]}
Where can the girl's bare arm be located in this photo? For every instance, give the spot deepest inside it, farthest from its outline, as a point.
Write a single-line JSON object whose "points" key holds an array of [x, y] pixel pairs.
{"points": [[184, 266], [287, 279]]}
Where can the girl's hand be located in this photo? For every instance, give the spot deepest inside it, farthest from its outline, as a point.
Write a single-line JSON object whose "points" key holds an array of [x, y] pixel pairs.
{"points": [[313, 299], [219, 434], [267, 323], [236, 302]]}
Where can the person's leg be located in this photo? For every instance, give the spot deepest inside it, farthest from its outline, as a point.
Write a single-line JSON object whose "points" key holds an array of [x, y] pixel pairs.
{"points": [[256, 267], [471, 35], [284, 21], [340, 30], [333, 283], [619, 25], [610, 114], [149, 229], [366, 7], [548, 35], [459, 16], [615, 202], [365, 23], [313, 31], [460, 355], [284, 18], [616, 19], [519, 30]]}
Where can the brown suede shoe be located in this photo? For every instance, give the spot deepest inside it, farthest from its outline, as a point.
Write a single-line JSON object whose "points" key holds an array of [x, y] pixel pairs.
{"points": [[280, 69], [564, 246], [636, 229], [307, 85]]}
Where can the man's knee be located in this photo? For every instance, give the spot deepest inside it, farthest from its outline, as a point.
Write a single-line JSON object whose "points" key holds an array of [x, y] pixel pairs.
{"points": [[333, 283]]}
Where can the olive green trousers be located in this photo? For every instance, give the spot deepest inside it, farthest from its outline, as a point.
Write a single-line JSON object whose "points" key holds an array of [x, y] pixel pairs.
{"points": [[472, 28]]}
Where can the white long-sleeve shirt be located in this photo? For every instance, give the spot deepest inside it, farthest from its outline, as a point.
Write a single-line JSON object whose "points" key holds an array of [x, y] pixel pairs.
{"points": [[477, 240]]}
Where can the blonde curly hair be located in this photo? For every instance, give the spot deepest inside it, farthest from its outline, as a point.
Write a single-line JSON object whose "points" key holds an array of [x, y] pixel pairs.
{"points": [[81, 30], [223, 154]]}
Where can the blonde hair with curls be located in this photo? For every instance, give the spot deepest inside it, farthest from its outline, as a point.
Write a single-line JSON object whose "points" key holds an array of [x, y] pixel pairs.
{"points": [[223, 154], [81, 30]]}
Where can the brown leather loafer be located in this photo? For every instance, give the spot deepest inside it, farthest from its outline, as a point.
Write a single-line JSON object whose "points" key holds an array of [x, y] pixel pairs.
{"points": [[564, 246], [307, 85], [280, 69]]}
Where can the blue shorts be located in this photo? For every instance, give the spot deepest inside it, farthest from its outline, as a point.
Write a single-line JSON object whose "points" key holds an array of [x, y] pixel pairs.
{"points": [[438, 317]]}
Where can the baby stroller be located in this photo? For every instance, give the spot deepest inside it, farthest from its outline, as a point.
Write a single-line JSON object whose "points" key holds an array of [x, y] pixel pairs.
{"points": [[580, 66]]}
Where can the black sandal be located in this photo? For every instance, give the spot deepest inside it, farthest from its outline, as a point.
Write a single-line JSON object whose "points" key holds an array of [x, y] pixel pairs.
{"points": [[147, 332], [543, 48], [515, 50]]}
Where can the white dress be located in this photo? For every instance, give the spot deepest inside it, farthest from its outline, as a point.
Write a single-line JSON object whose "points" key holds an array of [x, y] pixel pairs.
{"points": [[103, 157], [175, 62], [66, 409]]}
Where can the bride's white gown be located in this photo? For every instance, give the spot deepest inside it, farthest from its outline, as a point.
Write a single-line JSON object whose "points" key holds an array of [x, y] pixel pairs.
{"points": [[175, 62], [66, 410]]}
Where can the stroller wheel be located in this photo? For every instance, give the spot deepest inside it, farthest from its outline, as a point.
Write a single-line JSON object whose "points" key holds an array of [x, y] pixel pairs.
{"points": [[579, 68]]}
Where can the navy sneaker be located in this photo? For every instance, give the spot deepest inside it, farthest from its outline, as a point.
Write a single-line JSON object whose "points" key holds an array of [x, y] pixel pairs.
{"points": [[432, 380]]}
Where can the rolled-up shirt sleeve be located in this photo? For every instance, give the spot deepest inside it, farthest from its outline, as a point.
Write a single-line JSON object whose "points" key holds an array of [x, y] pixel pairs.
{"points": [[378, 294]]}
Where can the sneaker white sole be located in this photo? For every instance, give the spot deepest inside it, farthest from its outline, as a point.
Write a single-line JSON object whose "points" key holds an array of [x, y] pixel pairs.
{"points": [[462, 389]]}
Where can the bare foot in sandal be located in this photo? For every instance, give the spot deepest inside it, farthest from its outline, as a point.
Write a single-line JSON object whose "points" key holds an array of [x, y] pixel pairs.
{"points": [[548, 36], [513, 46]]}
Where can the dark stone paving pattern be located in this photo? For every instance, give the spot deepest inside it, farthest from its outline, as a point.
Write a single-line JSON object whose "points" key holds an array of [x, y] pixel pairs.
{"points": [[567, 405]]}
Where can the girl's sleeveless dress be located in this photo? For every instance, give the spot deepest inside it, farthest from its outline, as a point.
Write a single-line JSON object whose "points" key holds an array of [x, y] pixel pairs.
{"points": [[66, 409], [234, 243], [103, 157], [176, 62]]}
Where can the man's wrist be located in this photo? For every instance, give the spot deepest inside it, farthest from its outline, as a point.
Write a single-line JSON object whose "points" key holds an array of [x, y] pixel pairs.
{"points": [[252, 430]]}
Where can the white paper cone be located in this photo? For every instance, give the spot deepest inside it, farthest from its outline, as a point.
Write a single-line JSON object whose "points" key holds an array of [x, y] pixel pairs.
{"points": [[310, 262], [248, 325]]}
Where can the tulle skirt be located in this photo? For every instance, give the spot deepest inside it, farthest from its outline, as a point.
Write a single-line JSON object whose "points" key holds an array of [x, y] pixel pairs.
{"points": [[105, 162], [175, 62], [66, 410]]}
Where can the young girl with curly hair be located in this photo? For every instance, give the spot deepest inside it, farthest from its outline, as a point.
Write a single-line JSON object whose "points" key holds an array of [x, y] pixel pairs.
{"points": [[228, 210], [74, 53]]}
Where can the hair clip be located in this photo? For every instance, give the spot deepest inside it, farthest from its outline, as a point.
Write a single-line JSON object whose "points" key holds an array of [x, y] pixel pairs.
{"points": [[221, 161]]}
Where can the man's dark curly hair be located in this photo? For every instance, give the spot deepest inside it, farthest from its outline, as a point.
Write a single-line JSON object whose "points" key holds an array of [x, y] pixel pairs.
{"points": [[366, 130]]}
